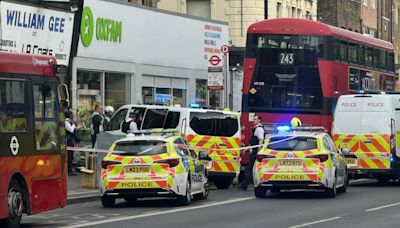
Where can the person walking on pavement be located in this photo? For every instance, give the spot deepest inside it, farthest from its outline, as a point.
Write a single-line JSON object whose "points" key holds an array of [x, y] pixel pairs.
{"points": [[70, 127], [97, 122], [257, 138]]}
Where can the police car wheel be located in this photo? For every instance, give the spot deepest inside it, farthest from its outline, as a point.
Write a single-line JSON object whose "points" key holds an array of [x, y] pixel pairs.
{"points": [[108, 201], [223, 182], [331, 192], [260, 192], [204, 194], [185, 200]]}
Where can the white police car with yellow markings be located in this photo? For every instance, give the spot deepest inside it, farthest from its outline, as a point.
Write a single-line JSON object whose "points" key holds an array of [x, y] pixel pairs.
{"points": [[153, 166], [299, 158]]}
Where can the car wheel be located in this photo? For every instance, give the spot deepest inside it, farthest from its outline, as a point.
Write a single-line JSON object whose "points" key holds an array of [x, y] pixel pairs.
{"points": [[130, 199], [331, 192], [108, 201], [383, 179], [223, 182], [204, 194], [260, 192], [15, 203], [185, 200]]}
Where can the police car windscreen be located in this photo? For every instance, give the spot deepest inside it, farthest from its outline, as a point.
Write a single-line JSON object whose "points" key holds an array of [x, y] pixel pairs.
{"points": [[140, 148], [292, 143]]}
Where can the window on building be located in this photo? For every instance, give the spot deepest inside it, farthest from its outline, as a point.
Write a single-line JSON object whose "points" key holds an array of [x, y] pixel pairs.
{"points": [[293, 11], [12, 106], [147, 95], [373, 4], [308, 15], [89, 94], [200, 8], [163, 95], [179, 97], [278, 10], [299, 13], [117, 91], [201, 92], [365, 2]]}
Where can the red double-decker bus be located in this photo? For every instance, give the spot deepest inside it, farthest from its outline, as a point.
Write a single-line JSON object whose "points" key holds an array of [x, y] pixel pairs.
{"points": [[298, 68], [33, 168]]}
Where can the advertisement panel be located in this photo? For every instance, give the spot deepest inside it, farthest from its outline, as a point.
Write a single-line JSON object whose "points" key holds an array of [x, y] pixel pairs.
{"points": [[119, 32], [27, 29]]}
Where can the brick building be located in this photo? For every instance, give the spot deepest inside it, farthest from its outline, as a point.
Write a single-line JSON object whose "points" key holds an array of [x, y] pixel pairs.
{"points": [[369, 17], [341, 13]]}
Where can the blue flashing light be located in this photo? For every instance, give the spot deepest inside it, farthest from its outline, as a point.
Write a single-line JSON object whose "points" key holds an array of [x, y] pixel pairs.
{"points": [[391, 158], [194, 105], [283, 128]]}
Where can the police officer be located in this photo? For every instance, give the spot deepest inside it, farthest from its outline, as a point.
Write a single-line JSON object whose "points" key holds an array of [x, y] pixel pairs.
{"points": [[130, 124], [257, 138]]}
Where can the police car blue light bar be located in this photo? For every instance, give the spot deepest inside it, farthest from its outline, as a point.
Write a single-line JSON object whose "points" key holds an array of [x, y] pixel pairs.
{"points": [[283, 128]]}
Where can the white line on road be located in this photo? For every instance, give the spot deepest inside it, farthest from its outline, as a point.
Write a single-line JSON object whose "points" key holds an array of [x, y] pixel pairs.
{"points": [[315, 222], [160, 213], [83, 193], [382, 207]]}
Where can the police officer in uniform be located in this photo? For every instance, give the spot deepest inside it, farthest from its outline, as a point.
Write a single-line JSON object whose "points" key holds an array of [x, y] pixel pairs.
{"points": [[257, 138]]}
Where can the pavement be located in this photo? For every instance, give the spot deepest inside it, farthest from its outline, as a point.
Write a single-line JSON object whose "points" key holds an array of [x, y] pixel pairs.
{"points": [[366, 204], [77, 194]]}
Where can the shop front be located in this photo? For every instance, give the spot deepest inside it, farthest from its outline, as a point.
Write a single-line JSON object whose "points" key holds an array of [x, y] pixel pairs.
{"points": [[37, 30], [129, 54]]}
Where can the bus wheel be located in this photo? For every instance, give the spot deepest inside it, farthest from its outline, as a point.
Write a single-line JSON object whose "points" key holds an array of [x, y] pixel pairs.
{"points": [[223, 182], [15, 203]]}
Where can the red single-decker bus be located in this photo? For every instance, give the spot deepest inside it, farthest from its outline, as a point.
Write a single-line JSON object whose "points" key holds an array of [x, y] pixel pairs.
{"points": [[33, 166], [298, 68]]}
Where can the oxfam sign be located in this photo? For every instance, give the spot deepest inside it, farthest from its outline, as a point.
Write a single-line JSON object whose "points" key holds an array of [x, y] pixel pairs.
{"points": [[105, 29]]}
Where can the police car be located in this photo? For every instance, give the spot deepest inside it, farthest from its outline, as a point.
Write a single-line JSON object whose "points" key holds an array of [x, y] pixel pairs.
{"points": [[299, 158], [153, 166]]}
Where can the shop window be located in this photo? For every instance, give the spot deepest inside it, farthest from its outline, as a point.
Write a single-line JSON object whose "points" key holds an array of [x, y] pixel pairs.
{"points": [[88, 94], [46, 123], [12, 106], [215, 98], [163, 95], [116, 90], [201, 92], [179, 96], [147, 95]]}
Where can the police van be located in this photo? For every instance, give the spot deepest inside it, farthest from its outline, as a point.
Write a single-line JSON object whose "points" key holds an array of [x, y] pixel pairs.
{"points": [[216, 132], [366, 128]]}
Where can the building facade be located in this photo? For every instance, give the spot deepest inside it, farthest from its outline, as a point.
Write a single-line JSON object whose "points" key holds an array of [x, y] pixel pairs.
{"points": [[145, 56], [341, 13], [369, 18]]}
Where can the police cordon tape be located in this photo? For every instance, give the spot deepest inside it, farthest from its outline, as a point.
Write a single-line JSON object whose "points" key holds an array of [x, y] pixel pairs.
{"points": [[183, 146]]}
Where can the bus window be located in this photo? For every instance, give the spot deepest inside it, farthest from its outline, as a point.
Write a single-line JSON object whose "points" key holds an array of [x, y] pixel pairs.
{"points": [[12, 106], [46, 122], [353, 48], [343, 51]]}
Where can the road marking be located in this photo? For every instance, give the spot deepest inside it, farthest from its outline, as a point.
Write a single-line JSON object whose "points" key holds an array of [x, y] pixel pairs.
{"points": [[383, 207], [160, 213], [315, 222]]}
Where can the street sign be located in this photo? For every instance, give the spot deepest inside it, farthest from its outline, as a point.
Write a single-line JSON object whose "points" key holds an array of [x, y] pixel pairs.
{"points": [[225, 49], [214, 60]]}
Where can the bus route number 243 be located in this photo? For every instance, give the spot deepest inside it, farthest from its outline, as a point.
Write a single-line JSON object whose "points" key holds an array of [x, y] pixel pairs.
{"points": [[286, 58]]}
